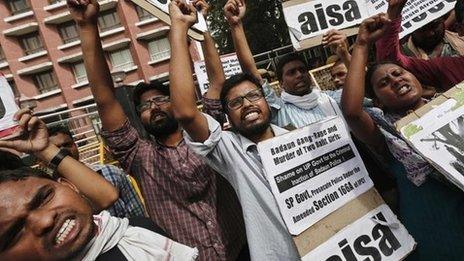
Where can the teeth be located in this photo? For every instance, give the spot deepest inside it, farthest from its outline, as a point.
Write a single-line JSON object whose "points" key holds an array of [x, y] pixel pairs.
{"points": [[251, 115], [67, 227], [404, 89]]}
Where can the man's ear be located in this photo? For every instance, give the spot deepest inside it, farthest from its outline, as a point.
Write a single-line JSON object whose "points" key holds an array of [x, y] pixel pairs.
{"points": [[68, 183]]}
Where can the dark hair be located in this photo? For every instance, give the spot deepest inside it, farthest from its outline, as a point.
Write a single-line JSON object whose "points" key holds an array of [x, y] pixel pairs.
{"points": [[143, 87], [234, 81], [369, 88], [21, 174], [286, 59], [57, 129], [459, 11], [9, 161]]}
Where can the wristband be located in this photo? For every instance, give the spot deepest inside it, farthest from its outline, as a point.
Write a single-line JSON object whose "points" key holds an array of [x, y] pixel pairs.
{"points": [[55, 162]]}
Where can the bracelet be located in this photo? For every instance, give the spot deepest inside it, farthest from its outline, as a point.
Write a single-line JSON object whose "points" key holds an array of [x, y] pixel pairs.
{"points": [[55, 162]]}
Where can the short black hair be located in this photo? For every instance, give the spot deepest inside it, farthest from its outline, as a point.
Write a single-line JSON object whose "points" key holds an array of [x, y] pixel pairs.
{"points": [[459, 11], [234, 81], [369, 88], [57, 129], [9, 161], [143, 87], [286, 59], [21, 174]]}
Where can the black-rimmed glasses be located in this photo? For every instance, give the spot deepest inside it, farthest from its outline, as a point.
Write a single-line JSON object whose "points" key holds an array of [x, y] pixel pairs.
{"points": [[158, 100], [251, 96]]}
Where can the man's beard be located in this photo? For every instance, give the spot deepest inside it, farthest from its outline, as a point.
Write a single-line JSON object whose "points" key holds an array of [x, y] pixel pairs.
{"points": [[254, 130], [165, 127], [431, 42]]}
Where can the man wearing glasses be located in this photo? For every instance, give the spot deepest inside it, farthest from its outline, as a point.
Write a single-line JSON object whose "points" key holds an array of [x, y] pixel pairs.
{"points": [[233, 154], [182, 193]]}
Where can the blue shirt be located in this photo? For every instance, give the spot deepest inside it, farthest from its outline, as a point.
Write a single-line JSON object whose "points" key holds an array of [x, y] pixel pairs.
{"points": [[128, 205], [236, 158], [287, 114]]}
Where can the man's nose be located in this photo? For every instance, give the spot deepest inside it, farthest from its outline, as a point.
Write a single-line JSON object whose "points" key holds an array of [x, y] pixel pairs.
{"points": [[246, 102], [41, 221]]}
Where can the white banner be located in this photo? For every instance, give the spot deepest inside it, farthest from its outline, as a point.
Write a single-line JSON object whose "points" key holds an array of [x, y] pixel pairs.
{"points": [[8, 108], [312, 18], [439, 137], [376, 236], [313, 171], [230, 64]]}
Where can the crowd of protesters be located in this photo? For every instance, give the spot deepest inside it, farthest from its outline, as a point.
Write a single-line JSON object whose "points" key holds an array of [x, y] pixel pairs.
{"points": [[204, 191]]}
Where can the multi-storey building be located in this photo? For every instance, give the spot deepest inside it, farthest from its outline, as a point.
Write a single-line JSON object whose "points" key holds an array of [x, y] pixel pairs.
{"points": [[41, 56]]}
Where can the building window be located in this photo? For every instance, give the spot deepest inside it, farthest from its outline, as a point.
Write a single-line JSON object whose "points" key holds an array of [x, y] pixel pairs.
{"points": [[46, 82], [121, 60], [68, 32], [108, 20], [159, 49], [14, 88], [18, 6], [142, 13], [31, 43], [2, 55], [79, 72]]}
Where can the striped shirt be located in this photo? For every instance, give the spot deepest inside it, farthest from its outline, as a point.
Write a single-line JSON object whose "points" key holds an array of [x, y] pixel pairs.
{"points": [[184, 196]]}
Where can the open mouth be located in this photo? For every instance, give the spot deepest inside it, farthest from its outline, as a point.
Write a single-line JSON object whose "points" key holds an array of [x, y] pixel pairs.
{"points": [[251, 115], [158, 117], [66, 232], [302, 84], [404, 89]]}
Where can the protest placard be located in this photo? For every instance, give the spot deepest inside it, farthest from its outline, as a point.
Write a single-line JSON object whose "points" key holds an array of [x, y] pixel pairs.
{"points": [[378, 235], [307, 20], [160, 9], [230, 64], [8, 108], [313, 171], [436, 131], [326, 197]]}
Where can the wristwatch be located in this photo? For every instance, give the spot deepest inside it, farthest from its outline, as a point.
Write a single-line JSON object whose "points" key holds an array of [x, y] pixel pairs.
{"points": [[55, 162]]}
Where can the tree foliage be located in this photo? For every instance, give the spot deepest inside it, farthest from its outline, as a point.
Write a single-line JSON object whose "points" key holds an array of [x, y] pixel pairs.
{"points": [[264, 24]]}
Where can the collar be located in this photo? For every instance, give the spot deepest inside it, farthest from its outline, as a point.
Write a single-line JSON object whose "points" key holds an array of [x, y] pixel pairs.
{"points": [[248, 144], [158, 145]]}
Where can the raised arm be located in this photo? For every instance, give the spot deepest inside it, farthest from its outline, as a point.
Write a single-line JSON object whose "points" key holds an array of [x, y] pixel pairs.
{"points": [[213, 62], [85, 14], [336, 40], [361, 124], [35, 140], [441, 72], [180, 76], [234, 11]]}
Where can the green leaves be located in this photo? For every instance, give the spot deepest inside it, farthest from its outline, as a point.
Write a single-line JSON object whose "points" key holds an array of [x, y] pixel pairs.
{"points": [[264, 24]]}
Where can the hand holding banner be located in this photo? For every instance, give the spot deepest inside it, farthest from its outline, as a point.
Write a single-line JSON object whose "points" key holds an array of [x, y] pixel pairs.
{"points": [[160, 9], [312, 18]]}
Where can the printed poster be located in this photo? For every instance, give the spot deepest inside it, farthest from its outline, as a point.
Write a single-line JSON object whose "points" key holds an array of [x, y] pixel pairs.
{"points": [[439, 136], [8, 108], [313, 171], [378, 235], [230, 64], [308, 19]]}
